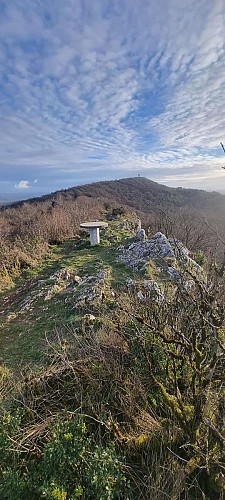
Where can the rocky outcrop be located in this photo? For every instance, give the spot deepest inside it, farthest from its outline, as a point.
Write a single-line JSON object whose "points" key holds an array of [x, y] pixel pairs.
{"points": [[169, 254], [75, 290], [92, 289], [137, 254], [161, 259]]}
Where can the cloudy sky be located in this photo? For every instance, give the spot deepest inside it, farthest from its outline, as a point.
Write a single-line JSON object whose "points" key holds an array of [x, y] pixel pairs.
{"points": [[104, 89]]}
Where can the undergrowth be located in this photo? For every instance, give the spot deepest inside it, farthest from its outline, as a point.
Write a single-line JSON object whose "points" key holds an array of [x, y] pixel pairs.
{"points": [[128, 404], [70, 464]]}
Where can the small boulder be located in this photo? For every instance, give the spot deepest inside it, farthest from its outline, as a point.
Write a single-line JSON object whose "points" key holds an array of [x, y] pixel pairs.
{"points": [[140, 296], [129, 282], [153, 291], [140, 235]]}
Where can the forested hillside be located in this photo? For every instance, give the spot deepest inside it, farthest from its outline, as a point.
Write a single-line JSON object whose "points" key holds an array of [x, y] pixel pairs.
{"points": [[112, 356], [27, 228]]}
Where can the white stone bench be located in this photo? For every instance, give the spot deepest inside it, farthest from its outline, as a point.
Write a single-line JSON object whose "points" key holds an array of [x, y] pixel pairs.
{"points": [[94, 230]]}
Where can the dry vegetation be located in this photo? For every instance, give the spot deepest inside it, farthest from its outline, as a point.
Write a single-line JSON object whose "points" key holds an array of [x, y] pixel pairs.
{"points": [[130, 404], [27, 228], [147, 382]]}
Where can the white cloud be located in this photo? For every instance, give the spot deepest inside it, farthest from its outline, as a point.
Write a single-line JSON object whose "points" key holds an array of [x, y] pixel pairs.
{"points": [[22, 185], [123, 86], [193, 116]]}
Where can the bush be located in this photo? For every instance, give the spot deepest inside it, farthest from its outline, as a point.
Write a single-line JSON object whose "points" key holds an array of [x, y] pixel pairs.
{"points": [[70, 465], [200, 258]]}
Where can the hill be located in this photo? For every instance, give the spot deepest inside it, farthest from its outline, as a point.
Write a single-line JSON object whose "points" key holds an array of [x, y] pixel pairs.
{"points": [[28, 227], [139, 193], [112, 364]]}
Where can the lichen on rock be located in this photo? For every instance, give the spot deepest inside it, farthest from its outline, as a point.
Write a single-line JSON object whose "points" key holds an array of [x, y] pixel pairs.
{"points": [[171, 256]]}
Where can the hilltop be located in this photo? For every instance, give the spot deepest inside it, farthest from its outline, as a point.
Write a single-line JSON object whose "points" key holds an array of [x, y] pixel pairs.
{"points": [[112, 371], [40, 301], [44, 298], [27, 228], [139, 193]]}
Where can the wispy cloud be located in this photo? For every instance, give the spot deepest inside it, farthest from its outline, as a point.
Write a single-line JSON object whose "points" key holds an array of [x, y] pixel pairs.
{"points": [[103, 89]]}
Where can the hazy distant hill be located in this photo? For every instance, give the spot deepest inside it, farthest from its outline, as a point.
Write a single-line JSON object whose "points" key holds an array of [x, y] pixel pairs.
{"points": [[9, 198]]}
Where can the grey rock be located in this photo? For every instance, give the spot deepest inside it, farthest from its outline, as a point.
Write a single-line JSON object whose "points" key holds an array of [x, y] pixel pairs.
{"points": [[91, 288], [179, 249], [139, 252], [173, 273], [170, 254], [153, 291], [152, 286], [140, 296], [129, 282], [140, 235]]}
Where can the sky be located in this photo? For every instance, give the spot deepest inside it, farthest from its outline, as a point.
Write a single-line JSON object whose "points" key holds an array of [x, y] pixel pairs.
{"points": [[104, 89]]}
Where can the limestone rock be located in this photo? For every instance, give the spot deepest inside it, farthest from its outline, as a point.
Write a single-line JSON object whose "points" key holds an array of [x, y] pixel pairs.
{"points": [[152, 287], [140, 296], [171, 255], [178, 248], [140, 235], [151, 291], [92, 289], [139, 252], [129, 282], [173, 274]]}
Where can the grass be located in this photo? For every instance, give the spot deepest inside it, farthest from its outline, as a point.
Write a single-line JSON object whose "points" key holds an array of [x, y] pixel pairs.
{"points": [[30, 319], [24, 330], [127, 373]]}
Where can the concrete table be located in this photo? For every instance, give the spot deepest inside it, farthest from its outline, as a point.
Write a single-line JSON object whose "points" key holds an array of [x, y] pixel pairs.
{"points": [[94, 230]]}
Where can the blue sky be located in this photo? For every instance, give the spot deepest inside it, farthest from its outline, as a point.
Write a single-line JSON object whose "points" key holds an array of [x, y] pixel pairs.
{"points": [[103, 89]]}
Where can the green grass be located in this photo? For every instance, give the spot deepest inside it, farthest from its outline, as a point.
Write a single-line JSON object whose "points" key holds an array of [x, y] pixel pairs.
{"points": [[24, 334], [123, 373]]}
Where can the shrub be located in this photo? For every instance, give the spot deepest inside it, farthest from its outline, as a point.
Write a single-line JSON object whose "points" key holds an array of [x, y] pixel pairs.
{"points": [[70, 466]]}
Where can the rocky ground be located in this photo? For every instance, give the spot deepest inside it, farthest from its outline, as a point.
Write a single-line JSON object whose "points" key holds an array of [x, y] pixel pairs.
{"points": [[78, 280], [129, 337]]}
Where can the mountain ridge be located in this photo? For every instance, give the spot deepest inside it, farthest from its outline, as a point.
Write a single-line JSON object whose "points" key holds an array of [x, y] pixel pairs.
{"points": [[195, 217], [104, 188]]}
